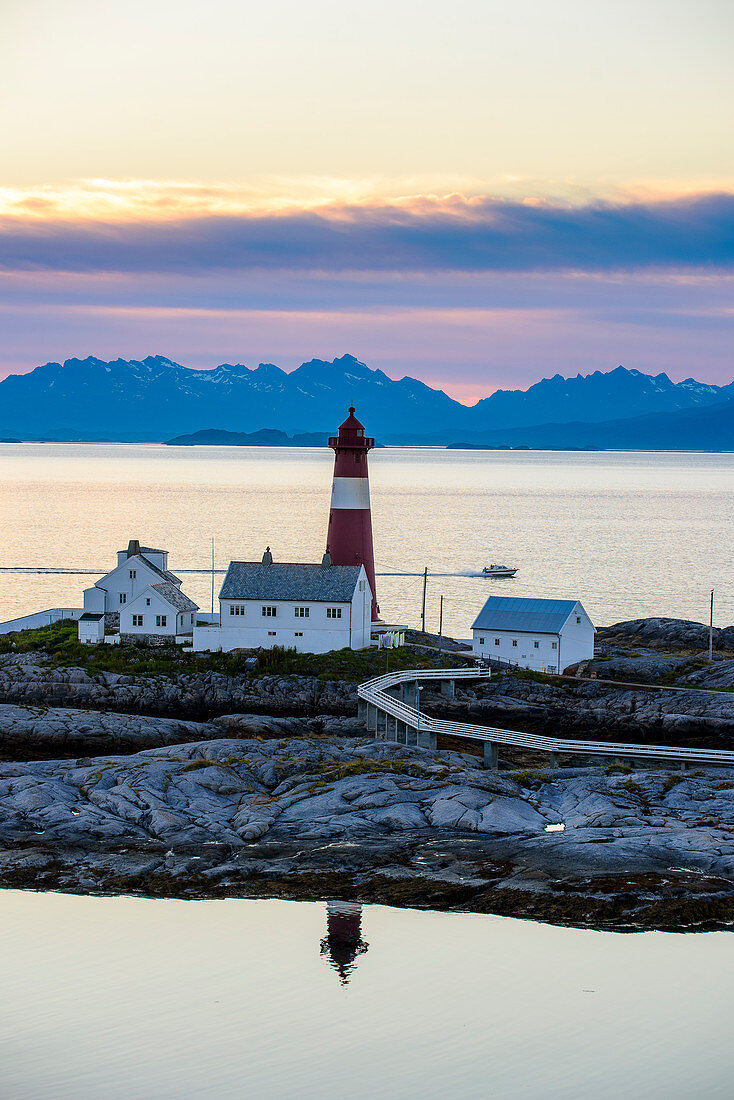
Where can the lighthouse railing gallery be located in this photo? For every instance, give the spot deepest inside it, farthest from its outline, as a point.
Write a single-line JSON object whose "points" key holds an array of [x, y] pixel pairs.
{"points": [[411, 726]]}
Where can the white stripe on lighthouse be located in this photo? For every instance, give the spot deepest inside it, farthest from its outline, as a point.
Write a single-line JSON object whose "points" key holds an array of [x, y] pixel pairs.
{"points": [[350, 492]]}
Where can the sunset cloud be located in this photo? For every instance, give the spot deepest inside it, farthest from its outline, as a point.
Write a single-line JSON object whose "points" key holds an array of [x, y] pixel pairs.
{"points": [[420, 233]]}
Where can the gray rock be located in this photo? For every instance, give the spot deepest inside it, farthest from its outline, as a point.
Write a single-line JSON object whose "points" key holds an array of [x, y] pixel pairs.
{"points": [[667, 633]]}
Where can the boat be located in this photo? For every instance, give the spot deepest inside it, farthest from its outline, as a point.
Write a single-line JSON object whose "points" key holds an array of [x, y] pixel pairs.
{"points": [[499, 571]]}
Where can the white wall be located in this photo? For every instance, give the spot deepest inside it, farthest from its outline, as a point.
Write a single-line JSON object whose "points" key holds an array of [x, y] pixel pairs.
{"points": [[94, 599], [40, 618], [524, 654], [157, 607], [313, 641], [577, 639]]}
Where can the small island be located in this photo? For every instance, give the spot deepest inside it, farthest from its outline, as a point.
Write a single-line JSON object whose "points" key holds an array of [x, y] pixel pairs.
{"points": [[265, 437], [166, 773]]}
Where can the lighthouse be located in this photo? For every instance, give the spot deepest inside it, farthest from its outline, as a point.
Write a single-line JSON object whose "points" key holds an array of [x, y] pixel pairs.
{"points": [[349, 539], [343, 940]]}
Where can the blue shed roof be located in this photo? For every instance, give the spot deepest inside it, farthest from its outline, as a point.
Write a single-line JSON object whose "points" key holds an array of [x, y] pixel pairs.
{"points": [[533, 616]]}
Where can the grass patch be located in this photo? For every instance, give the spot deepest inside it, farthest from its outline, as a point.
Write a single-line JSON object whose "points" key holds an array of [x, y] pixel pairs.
{"points": [[619, 769], [672, 781], [59, 643], [635, 789], [532, 781], [334, 771], [727, 785], [196, 765], [534, 676], [346, 664]]}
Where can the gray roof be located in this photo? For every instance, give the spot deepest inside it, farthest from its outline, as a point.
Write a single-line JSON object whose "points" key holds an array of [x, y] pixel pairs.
{"points": [[533, 616], [165, 573], [251, 580], [175, 596], [91, 617]]}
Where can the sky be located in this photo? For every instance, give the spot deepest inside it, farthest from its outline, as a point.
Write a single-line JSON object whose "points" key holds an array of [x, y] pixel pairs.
{"points": [[478, 194]]}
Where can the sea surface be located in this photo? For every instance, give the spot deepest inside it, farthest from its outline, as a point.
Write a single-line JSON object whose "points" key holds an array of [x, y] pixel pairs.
{"points": [[154, 1000], [630, 534]]}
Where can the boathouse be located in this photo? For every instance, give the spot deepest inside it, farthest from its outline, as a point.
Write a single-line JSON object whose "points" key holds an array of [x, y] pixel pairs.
{"points": [[545, 635]]}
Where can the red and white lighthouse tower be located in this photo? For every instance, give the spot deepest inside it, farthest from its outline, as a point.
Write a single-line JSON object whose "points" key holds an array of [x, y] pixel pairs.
{"points": [[349, 539]]}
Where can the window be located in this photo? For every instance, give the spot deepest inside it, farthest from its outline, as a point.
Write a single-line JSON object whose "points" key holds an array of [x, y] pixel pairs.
{"points": [[236, 609], [160, 620], [302, 612], [269, 612], [133, 574], [192, 617], [333, 613], [123, 598], [147, 603], [137, 620], [297, 633], [496, 641], [272, 633], [514, 643], [481, 641], [361, 586], [536, 645], [554, 645], [578, 618]]}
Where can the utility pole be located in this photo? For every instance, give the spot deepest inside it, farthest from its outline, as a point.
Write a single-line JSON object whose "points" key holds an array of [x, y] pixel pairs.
{"points": [[212, 574], [423, 611], [440, 628], [711, 628]]}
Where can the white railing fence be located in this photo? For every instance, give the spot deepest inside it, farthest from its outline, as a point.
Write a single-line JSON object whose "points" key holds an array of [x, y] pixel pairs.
{"points": [[40, 618], [374, 694]]}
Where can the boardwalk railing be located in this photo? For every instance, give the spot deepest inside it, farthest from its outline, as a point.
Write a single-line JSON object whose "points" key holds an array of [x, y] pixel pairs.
{"points": [[397, 719]]}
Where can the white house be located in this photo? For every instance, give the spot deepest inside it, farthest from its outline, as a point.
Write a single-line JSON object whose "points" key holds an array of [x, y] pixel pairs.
{"points": [[139, 569], [160, 610], [545, 635], [311, 608]]}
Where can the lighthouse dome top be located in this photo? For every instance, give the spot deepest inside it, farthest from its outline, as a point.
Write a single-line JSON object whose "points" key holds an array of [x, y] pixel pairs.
{"points": [[351, 424], [351, 436]]}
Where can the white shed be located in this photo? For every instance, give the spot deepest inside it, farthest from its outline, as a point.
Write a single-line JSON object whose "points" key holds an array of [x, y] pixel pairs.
{"points": [[90, 629], [310, 608], [545, 635]]}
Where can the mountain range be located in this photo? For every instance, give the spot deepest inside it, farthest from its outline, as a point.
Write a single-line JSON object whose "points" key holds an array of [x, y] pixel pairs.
{"points": [[700, 429], [155, 398]]}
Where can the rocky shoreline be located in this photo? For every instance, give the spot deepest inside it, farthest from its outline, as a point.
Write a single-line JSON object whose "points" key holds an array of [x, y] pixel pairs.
{"points": [[538, 705], [202, 784], [374, 821]]}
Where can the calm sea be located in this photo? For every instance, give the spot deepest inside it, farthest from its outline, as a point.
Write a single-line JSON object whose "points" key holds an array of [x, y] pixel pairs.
{"points": [[629, 534], [156, 1000]]}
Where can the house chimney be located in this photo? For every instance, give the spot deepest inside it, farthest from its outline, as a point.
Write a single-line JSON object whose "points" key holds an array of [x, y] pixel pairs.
{"points": [[267, 557], [133, 548]]}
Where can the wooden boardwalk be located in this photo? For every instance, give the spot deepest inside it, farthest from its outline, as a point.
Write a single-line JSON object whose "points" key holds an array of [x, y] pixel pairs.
{"points": [[390, 707]]}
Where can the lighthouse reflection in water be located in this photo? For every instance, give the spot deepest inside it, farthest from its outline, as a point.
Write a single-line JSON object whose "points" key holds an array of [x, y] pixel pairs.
{"points": [[343, 941]]}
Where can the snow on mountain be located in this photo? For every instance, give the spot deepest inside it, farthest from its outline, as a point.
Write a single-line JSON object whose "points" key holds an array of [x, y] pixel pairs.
{"points": [[156, 398]]}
